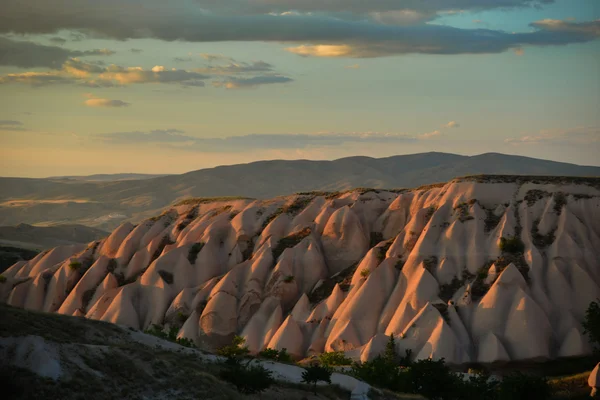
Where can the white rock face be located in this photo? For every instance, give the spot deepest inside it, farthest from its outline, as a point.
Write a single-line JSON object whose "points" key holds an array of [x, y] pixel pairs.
{"points": [[314, 273]]}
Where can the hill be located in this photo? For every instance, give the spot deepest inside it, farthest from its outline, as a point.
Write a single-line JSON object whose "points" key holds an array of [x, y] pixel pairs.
{"points": [[482, 269], [43, 237], [58, 357], [106, 204]]}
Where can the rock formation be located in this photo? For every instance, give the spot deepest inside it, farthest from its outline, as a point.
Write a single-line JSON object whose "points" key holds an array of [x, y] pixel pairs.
{"points": [[480, 269]]}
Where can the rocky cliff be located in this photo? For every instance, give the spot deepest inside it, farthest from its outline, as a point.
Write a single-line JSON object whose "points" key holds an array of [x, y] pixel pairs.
{"points": [[479, 269]]}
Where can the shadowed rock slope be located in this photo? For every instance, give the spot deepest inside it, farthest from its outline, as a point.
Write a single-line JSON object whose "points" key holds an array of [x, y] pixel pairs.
{"points": [[480, 269]]}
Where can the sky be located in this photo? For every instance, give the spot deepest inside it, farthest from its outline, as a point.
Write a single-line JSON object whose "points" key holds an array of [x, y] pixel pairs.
{"points": [[150, 86]]}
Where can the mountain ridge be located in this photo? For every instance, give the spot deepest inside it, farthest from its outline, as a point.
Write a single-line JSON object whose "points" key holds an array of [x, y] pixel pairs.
{"points": [[106, 204]]}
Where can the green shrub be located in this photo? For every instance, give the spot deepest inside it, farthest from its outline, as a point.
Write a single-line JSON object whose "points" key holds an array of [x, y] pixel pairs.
{"points": [[289, 241], [289, 279], [314, 374], [170, 335], [248, 379], [518, 386], [2, 279], [75, 265], [591, 323], [334, 358], [512, 245], [269, 354], [276, 355], [364, 273], [235, 351]]}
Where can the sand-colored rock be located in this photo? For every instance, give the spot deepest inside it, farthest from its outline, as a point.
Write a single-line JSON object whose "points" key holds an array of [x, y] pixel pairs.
{"points": [[351, 269]]}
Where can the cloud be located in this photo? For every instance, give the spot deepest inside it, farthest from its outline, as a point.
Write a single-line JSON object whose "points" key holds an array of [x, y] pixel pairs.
{"points": [[519, 51], [235, 67], [216, 57], [337, 28], [241, 83], [136, 51], [94, 101], [58, 40], [25, 54], [37, 79], [182, 59], [429, 135], [177, 138], [452, 124], [591, 28], [579, 135], [11, 125], [158, 74]]}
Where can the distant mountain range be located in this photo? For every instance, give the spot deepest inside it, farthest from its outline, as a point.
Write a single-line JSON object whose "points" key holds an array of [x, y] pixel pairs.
{"points": [[105, 177], [105, 203]]}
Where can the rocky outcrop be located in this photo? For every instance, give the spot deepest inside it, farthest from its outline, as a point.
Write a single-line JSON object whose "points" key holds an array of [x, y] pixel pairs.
{"points": [[484, 269]]}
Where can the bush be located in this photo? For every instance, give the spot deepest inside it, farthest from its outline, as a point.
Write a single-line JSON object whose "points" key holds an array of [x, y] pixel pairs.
{"points": [[275, 355], [512, 245], [75, 265], [314, 374], [433, 379], [518, 386], [334, 358], [364, 273], [591, 323], [170, 335], [248, 379], [2, 279], [289, 279], [235, 351]]}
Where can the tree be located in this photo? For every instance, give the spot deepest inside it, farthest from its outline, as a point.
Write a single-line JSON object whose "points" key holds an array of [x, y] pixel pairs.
{"points": [[247, 379], [316, 373], [432, 379], [518, 386], [235, 351], [334, 358], [591, 323]]}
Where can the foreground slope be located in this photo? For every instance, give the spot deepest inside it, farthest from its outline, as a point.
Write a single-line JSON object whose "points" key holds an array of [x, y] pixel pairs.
{"points": [[480, 269], [106, 204], [51, 356]]}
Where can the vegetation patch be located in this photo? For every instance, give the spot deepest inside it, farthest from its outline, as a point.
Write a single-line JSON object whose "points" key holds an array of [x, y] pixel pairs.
{"points": [[343, 278], [206, 200], [2, 279], [560, 200], [111, 266], [276, 355], [334, 358], [463, 212], [448, 290], [542, 241], [289, 279], [430, 264], [365, 272], [194, 251], [512, 245], [289, 241], [75, 265], [430, 211], [491, 220], [165, 241], [170, 335]]}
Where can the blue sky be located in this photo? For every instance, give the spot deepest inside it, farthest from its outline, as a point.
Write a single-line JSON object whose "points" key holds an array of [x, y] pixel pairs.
{"points": [[90, 87]]}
